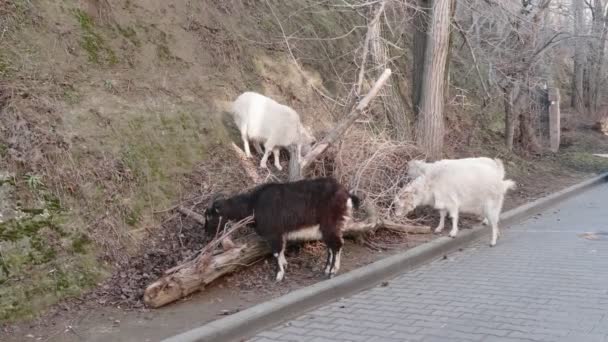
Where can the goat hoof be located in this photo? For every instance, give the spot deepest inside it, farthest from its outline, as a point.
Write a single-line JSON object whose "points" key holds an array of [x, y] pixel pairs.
{"points": [[279, 168]]}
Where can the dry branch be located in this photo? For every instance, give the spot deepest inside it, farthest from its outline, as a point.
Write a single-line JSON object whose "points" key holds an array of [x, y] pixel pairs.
{"points": [[210, 265], [248, 165], [346, 122], [341, 127], [191, 214]]}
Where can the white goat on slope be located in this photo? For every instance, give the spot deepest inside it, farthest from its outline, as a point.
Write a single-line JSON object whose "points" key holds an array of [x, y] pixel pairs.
{"points": [[262, 119], [471, 185]]}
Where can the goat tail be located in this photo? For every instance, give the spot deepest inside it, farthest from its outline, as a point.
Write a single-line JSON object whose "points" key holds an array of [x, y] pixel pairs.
{"points": [[508, 185], [355, 201]]}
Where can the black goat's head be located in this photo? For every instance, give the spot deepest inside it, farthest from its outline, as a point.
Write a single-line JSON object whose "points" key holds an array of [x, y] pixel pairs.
{"points": [[213, 216]]}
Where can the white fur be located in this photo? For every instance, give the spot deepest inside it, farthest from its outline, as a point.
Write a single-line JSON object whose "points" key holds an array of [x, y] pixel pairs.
{"points": [[471, 185], [417, 167], [306, 234], [328, 266], [262, 119], [332, 271], [282, 262]]}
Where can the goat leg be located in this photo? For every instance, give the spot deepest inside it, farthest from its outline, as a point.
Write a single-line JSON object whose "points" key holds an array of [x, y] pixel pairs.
{"points": [[265, 157], [454, 216], [246, 145], [258, 147], [328, 262], [332, 268], [441, 224], [277, 154], [281, 263]]}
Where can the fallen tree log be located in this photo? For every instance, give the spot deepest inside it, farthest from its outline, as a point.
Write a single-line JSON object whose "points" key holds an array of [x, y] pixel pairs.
{"points": [[195, 274]]}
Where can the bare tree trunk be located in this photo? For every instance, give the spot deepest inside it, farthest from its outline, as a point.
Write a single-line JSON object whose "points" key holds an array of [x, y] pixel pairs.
{"points": [[421, 24], [430, 124], [529, 141], [579, 58], [597, 72], [509, 94], [392, 101], [595, 54], [586, 88], [295, 173], [450, 43]]}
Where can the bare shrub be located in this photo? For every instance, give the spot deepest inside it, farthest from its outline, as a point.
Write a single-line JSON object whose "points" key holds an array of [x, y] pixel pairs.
{"points": [[371, 163]]}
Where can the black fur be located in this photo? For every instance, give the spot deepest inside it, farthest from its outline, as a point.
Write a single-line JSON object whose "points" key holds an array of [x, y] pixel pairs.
{"points": [[280, 208]]}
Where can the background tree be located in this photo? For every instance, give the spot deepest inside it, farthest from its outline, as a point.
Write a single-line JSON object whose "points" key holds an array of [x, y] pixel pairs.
{"points": [[430, 125]]}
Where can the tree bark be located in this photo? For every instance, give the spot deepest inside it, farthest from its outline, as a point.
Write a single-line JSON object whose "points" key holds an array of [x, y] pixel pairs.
{"points": [[421, 24], [195, 274], [599, 63], [392, 101], [508, 94], [430, 124], [596, 45], [579, 58], [446, 81], [295, 172]]}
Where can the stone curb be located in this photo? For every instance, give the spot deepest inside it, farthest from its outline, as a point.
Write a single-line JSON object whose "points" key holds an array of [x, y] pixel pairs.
{"points": [[254, 319]]}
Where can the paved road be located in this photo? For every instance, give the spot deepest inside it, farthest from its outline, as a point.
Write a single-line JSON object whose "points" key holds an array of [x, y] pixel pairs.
{"points": [[542, 282]]}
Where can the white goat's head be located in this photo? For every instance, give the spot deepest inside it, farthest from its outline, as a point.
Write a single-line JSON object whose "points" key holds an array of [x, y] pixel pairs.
{"points": [[307, 140], [410, 196], [416, 168]]}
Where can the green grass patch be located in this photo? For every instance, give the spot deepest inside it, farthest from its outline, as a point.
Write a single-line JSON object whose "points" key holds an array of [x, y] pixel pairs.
{"points": [[157, 149], [43, 259], [4, 66], [92, 42], [129, 33], [584, 162]]}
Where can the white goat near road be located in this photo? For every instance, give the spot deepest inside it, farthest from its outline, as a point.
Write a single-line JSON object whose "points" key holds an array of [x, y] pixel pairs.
{"points": [[418, 167], [471, 185], [262, 119]]}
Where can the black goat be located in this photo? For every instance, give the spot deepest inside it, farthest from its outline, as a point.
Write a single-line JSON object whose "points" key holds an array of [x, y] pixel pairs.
{"points": [[289, 211]]}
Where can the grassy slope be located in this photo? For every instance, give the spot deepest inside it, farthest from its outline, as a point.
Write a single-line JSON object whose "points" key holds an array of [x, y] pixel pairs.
{"points": [[107, 108]]}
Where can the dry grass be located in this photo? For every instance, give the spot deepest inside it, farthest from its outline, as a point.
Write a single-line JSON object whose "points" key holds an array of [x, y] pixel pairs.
{"points": [[369, 163]]}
